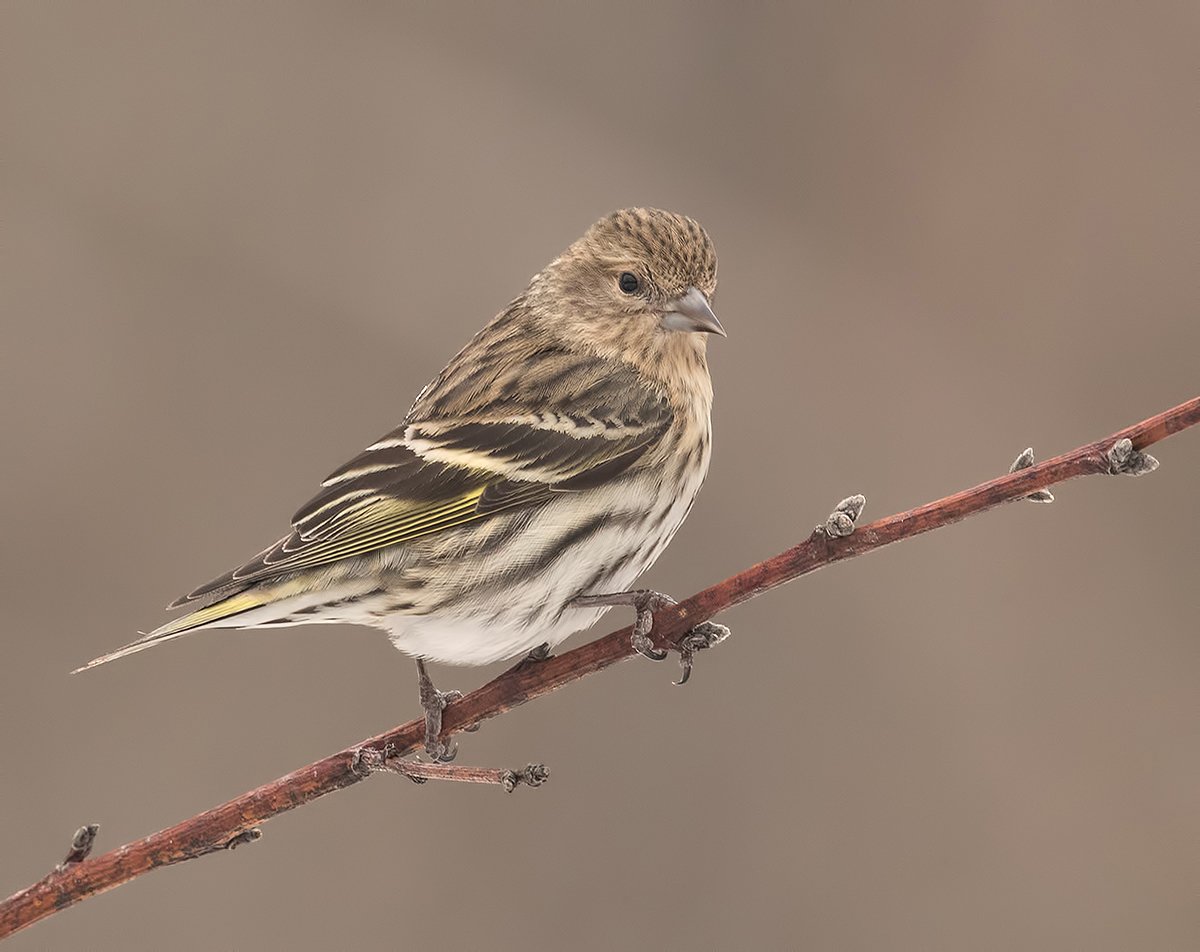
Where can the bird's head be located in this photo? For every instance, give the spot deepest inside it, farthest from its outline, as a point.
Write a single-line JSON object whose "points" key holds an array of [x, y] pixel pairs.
{"points": [[640, 279]]}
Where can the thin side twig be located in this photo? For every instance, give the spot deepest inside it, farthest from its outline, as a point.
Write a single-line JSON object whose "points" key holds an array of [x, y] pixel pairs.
{"points": [[222, 826], [371, 760]]}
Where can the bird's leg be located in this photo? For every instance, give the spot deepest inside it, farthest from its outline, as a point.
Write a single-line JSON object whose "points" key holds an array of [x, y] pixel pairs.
{"points": [[646, 602], [433, 702]]}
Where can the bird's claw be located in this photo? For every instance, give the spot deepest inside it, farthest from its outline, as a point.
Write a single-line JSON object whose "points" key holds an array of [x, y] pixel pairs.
{"points": [[645, 647], [705, 635], [646, 605], [645, 602], [439, 752]]}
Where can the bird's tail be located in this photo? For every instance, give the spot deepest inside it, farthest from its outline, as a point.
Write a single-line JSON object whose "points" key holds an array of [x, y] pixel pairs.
{"points": [[219, 615]]}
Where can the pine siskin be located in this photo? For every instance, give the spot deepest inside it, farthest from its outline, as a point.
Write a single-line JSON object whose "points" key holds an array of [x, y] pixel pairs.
{"points": [[533, 480]]}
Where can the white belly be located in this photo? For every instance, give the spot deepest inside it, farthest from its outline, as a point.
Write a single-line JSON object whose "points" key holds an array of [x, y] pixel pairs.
{"points": [[524, 612]]}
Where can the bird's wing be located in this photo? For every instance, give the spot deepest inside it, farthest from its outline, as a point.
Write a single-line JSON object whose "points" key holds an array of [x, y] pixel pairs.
{"points": [[430, 475]]}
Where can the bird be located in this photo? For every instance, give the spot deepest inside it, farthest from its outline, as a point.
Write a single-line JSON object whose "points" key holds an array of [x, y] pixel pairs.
{"points": [[533, 480]]}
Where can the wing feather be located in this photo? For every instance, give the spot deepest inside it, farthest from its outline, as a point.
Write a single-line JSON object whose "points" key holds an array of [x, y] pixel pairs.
{"points": [[440, 472]]}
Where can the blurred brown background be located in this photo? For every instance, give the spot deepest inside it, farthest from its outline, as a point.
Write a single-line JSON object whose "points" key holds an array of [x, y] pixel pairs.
{"points": [[239, 238]]}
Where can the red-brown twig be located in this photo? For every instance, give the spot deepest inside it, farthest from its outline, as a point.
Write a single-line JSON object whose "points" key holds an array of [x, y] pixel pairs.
{"points": [[370, 760], [234, 822]]}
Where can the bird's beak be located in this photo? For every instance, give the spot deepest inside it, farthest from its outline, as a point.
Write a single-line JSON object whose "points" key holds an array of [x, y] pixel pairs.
{"points": [[692, 313]]}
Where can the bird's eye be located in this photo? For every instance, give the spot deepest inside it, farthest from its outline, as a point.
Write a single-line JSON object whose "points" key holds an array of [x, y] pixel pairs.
{"points": [[628, 282]]}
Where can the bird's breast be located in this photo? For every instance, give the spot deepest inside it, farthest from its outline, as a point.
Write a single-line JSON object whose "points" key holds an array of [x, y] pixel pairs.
{"points": [[509, 586]]}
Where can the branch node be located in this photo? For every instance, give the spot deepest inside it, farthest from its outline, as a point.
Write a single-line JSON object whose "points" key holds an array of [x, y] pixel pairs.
{"points": [[246, 836], [841, 521], [81, 845], [369, 760], [1125, 460], [1024, 461], [534, 775]]}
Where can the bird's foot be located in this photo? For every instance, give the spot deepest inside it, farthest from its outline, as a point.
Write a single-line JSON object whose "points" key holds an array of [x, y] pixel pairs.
{"points": [[433, 702], [705, 635], [646, 602], [535, 657]]}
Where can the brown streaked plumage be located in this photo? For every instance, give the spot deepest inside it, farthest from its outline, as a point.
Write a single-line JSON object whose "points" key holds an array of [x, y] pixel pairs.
{"points": [[553, 457]]}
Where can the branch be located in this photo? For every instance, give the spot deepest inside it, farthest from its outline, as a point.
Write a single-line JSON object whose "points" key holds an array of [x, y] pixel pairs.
{"points": [[235, 822]]}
